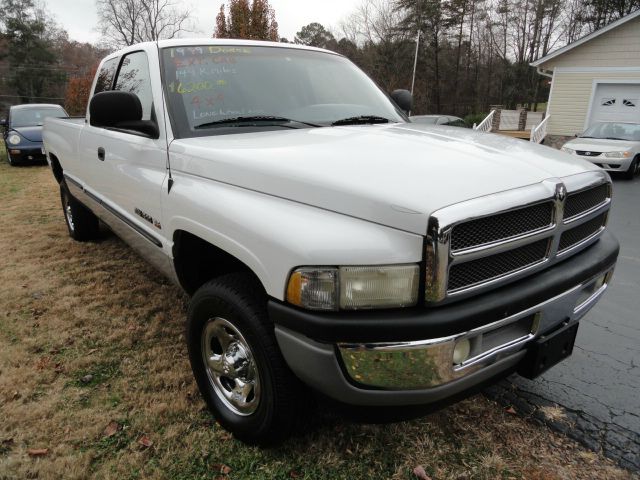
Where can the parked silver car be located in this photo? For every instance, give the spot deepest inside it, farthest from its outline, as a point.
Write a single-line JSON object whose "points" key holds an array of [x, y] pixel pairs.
{"points": [[614, 146], [449, 120]]}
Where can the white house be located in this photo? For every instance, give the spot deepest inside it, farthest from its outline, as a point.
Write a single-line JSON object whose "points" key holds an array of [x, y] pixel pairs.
{"points": [[595, 78]]}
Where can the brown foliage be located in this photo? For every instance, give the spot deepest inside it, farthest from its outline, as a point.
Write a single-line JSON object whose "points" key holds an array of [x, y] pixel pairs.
{"points": [[77, 94], [241, 20]]}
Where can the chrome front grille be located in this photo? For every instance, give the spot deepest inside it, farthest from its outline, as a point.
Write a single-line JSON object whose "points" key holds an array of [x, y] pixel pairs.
{"points": [[587, 153], [582, 232], [581, 202], [506, 225], [464, 275], [479, 244]]}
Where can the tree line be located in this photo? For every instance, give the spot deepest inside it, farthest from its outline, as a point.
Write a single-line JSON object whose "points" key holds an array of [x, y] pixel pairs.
{"points": [[469, 54]]}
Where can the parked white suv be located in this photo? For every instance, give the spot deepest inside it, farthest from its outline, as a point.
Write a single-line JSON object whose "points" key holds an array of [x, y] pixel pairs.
{"points": [[329, 244], [614, 146]]}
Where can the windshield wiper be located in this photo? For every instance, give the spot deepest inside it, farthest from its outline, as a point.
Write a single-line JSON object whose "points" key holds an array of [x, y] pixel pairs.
{"points": [[254, 121], [616, 138], [585, 136], [361, 120]]}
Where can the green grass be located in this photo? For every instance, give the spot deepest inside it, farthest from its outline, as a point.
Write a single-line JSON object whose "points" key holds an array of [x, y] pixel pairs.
{"points": [[99, 372]]}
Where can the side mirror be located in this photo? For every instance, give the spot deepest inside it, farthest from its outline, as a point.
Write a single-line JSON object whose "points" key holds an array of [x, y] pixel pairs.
{"points": [[121, 111], [403, 99]]}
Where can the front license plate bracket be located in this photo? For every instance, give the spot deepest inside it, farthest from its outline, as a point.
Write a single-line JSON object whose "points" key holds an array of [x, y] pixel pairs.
{"points": [[549, 350]]}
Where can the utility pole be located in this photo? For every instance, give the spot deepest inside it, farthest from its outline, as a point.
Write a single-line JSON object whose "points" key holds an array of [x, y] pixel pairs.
{"points": [[415, 61]]}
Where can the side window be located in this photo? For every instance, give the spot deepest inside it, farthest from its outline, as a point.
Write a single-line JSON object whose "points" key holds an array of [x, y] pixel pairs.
{"points": [[105, 77], [133, 77]]}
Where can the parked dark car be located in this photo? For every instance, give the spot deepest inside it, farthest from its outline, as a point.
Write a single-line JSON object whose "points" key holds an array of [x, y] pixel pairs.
{"points": [[23, 131], [449, 120]]}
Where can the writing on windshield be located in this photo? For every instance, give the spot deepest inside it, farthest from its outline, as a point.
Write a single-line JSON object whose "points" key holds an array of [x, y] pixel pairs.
{"points": [[208, 83]]}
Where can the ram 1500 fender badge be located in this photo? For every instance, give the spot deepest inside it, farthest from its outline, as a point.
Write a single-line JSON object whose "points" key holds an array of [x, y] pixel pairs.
{"points": [[148, 218]]}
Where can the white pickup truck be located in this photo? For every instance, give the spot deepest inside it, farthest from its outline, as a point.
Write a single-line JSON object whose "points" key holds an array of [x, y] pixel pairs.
{"points": [[329, 244]]}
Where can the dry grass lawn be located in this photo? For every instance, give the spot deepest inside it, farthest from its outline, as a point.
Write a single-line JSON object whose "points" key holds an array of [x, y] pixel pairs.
{"points": [[95, 381]]}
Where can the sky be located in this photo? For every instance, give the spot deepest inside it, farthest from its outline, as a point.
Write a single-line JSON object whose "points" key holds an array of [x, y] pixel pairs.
{"points": [[80, 20]]}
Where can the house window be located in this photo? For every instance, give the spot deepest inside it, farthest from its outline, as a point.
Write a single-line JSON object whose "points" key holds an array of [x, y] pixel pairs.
{"points": [[630, 103], [608, 102]]}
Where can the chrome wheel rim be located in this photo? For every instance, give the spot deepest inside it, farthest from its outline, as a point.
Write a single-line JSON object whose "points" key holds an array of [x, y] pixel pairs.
{"points": [[230, 366], [68, 214]]}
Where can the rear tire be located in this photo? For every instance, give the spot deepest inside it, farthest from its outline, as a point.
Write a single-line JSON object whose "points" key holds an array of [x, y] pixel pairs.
{"points": [[237, 364], [633, 168], [82, 223]]}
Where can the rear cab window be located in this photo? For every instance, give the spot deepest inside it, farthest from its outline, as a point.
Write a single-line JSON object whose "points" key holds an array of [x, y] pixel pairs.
{"points": [[104, 80]]}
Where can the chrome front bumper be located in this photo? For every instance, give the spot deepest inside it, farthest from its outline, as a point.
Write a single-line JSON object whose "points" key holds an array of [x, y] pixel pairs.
{"points": [[429, 363], [423, 371]]}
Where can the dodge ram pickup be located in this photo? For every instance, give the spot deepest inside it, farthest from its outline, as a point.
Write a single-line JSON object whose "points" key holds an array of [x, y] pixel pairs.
{"points": [[328, 243]]}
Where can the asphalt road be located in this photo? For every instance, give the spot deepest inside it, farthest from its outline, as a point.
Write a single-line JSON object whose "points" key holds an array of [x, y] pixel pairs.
{"points": [[598, 387]]}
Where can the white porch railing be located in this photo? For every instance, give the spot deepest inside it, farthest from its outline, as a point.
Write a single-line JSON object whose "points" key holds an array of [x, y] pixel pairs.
{"points": [[540, 131], [485, 125]]}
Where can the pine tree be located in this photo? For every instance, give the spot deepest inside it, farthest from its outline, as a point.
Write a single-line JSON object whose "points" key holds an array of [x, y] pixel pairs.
{"points": [[242, 20]]}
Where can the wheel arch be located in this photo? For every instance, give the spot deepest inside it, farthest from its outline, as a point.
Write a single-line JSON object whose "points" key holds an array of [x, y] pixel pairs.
{"points": [[197, 260], [56, 168]]}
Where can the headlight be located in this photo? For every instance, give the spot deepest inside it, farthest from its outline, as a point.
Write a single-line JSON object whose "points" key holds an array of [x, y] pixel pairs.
{"points": [[617, 154], [354, 288], [568, 150], [14, 139]]}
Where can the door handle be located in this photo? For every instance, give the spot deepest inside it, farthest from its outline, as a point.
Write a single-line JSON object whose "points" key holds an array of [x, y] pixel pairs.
{"points": [[101, 154]]}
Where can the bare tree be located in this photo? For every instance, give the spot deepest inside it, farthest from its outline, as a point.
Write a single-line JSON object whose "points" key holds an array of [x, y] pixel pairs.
{"points": [[125, 22]]}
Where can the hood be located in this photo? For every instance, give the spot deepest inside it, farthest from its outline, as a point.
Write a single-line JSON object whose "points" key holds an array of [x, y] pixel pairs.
{"points": [[601, 144], [33, 134], [395, 175]]}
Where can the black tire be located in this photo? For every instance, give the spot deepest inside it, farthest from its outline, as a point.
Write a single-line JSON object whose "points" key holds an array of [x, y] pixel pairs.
{"points": [[239, 300], [82, 223], [633, 168]]}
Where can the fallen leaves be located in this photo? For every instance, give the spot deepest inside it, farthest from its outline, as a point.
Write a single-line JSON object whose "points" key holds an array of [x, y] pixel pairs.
{"points": [[511, 410], [221, 468], [111, 429], [420, 473], [145, 442], [37, 452]]}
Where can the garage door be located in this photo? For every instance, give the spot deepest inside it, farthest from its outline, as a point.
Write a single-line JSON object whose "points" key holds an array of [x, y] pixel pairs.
{"points": [[615, 102]]}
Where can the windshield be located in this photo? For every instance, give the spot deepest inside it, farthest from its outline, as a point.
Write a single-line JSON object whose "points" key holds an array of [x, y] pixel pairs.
{"points": [[276, 88], [614, 131], [32, 117]]}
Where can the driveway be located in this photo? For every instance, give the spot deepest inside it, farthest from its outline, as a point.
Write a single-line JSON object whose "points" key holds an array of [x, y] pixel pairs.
{"points": [[598, 387]]}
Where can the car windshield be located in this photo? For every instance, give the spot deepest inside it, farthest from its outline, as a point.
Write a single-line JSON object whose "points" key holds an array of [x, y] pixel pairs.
{"points": [[215, 90], [32, 117], [614, 131]]}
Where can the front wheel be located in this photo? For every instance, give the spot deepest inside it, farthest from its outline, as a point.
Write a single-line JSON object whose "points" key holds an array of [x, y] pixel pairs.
{"points": [[237, 363], [82, 223], [634, 168]]}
